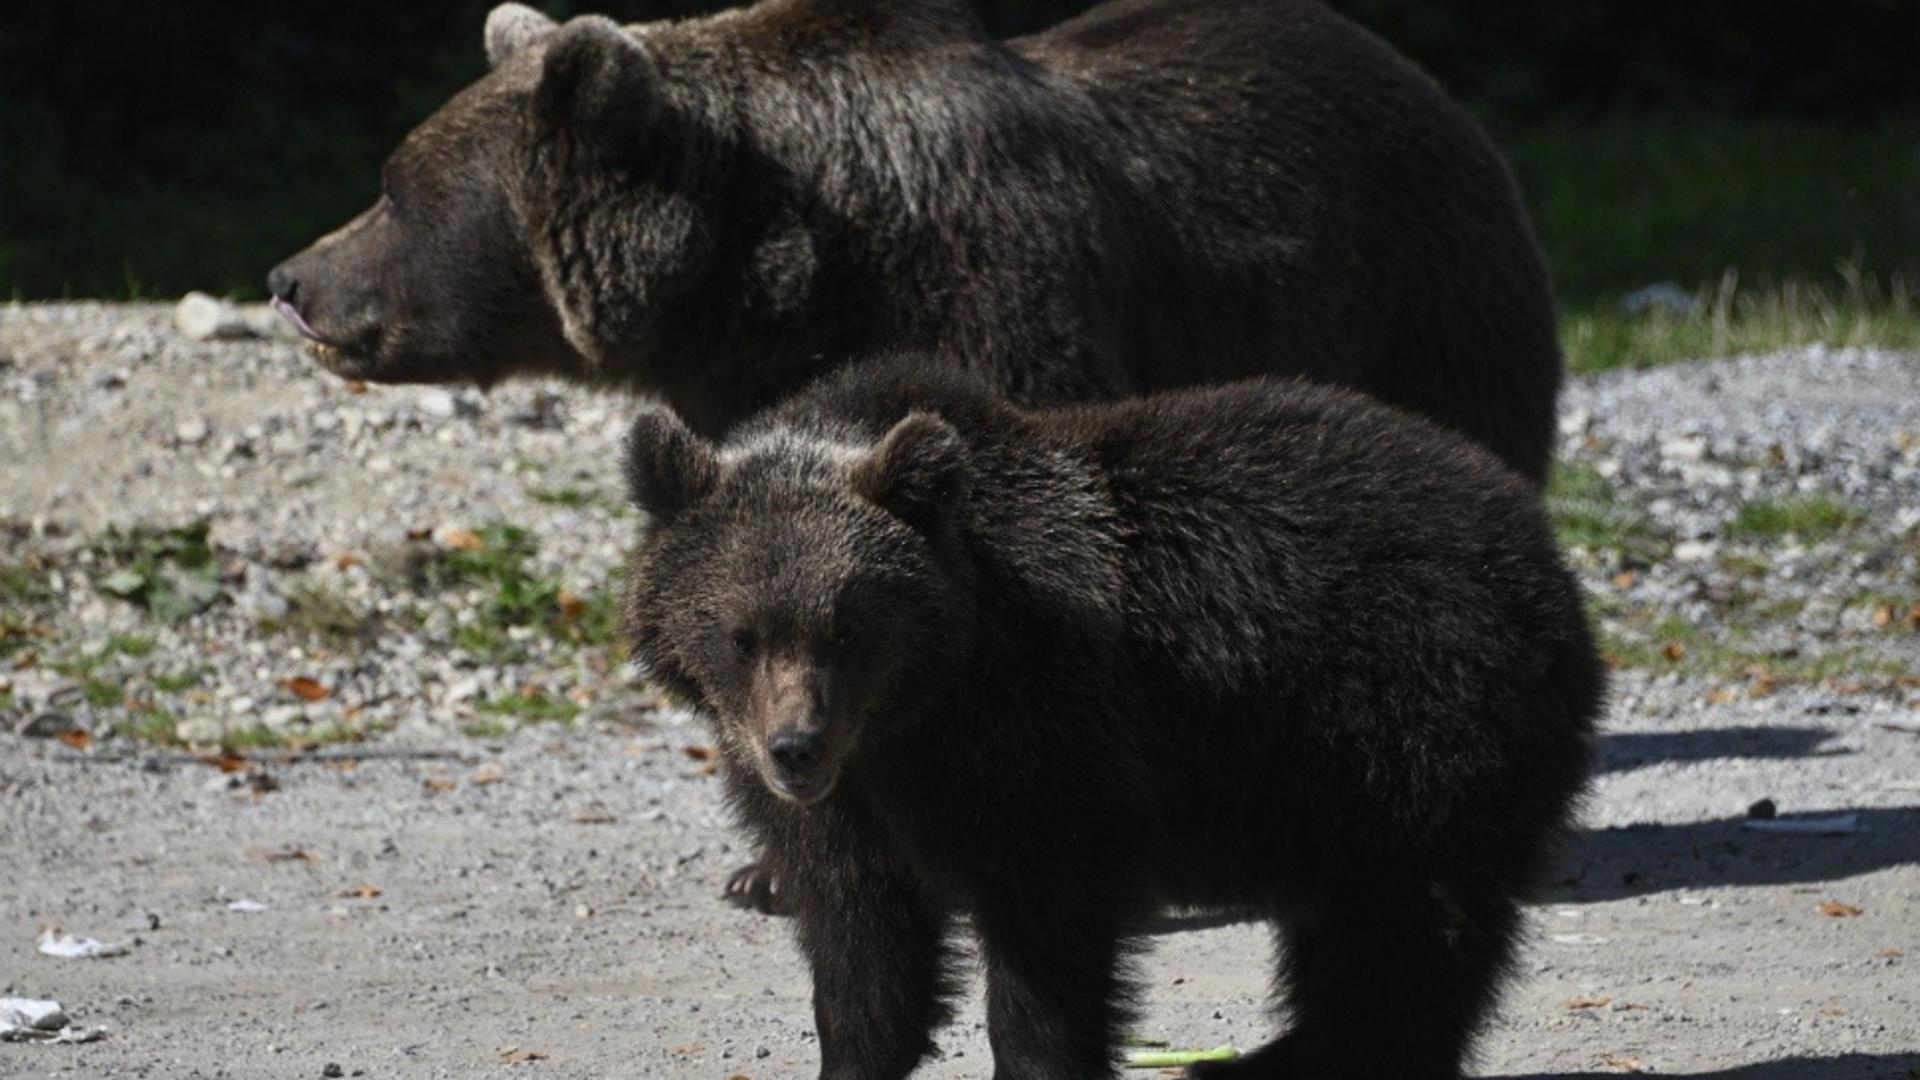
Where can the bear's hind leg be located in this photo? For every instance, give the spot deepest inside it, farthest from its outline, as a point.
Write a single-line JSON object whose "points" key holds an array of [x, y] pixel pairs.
{"points": [[1385, 979], [1393, 978]]}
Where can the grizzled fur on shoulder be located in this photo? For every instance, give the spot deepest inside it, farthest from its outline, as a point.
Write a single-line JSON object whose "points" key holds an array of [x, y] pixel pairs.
{"points": [[1159, 193], [1268, 647]]}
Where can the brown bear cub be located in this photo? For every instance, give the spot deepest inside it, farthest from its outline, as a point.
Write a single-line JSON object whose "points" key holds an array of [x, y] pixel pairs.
{"points": [[1269, 647], [1157, 194]]}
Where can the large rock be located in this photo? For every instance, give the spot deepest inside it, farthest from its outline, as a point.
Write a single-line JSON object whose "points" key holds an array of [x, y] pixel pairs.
{"points": [[207, 318]]}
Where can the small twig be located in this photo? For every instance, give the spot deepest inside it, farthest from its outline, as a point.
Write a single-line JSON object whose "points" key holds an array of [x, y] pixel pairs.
{"points": [[1173, 1059]]}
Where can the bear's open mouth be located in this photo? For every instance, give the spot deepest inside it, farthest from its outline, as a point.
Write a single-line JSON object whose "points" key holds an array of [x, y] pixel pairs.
{"points": [[292, 315], [805, 792]]}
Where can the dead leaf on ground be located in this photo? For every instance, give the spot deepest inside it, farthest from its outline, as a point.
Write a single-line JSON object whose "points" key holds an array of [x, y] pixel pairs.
{"points": [[1588, 1003], [690, 1049], [462, 540], [1625, 579], [571, 608], [1834, 909], [490, 773], [356, 386], [1721, 695], [419, 534], [227, 761], [439, 785], [700, 753], [285, 855], [78, 738], [362, 892], [1630, 1064], [1674, 652], [513, 1055], [1764, 683], [306, 689], [1891, 954], [346, 560]]}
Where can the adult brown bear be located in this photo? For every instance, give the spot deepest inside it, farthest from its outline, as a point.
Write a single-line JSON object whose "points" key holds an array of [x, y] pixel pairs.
{"points": [[1155, 194]]}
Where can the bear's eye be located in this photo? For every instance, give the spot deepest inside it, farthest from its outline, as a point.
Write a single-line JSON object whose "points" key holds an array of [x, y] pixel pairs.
{"points": [[387, 190], [844, 636], [744, 644]]}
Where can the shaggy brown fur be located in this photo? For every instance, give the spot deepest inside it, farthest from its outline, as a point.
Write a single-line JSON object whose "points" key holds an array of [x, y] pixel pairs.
{"points": [[1268, 647], [1156, 194]]}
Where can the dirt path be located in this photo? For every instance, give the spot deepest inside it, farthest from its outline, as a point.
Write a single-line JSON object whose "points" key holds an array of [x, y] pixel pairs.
{"points": [[477, 882]]}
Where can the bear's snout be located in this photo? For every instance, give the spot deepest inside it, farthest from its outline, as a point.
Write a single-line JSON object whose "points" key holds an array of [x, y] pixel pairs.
{"points": [[798, 754]]}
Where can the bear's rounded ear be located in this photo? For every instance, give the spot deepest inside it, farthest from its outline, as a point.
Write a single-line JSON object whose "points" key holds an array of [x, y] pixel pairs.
{"points": [[669, 468], [918, 471], [512, 27], [597, 74]]}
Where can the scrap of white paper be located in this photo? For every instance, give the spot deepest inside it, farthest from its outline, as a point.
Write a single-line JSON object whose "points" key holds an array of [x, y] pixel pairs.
{"points": [[68, 947]]}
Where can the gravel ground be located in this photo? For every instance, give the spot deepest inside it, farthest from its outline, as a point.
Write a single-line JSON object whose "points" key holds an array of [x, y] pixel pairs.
{"points": [[347, 652]]}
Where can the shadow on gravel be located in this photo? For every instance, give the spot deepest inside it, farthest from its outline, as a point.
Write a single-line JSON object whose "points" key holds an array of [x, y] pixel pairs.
{"points": [[1842, 1067], [1633, 750], [1607, 864]]}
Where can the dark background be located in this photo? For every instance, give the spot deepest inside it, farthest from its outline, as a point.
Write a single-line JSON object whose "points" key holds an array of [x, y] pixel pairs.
{"points": [[149, 149]]}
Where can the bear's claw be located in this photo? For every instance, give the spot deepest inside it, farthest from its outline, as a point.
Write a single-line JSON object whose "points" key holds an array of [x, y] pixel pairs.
{"points": [[753, 887]]}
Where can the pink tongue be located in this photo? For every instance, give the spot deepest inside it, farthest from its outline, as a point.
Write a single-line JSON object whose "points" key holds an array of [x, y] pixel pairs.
{"points": [[292, 314]]}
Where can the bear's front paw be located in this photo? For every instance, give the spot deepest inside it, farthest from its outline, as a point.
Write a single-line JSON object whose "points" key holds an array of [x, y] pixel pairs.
{"points": [[752, 886]]}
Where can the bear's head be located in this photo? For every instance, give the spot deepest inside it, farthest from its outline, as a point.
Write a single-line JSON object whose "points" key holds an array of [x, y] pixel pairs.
{"points": [[605, 194], [494, 240], [803, 592]]}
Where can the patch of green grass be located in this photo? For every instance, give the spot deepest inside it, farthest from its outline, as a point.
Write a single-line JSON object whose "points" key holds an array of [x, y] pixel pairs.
{"points": [[254, 738], [319, 613], [6, 700], [171, 573], [20, 585], [531, 707], [516, 596], [1728, 321], [1744, 566], [486, 639], [562, 496], [83, 665], [1814, 517], [102, 694], [179, 681], [153, 725], [1710, 205], [137, 646], [1641, 638], [594, 621], [1703, 658], [79, 666], [16, 633], [1778, 610], [485, 729], [1586, 514]]}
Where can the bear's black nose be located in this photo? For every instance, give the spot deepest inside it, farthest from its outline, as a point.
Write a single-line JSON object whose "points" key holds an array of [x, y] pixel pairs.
{"points": [[283, 285], [797, 752]]}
